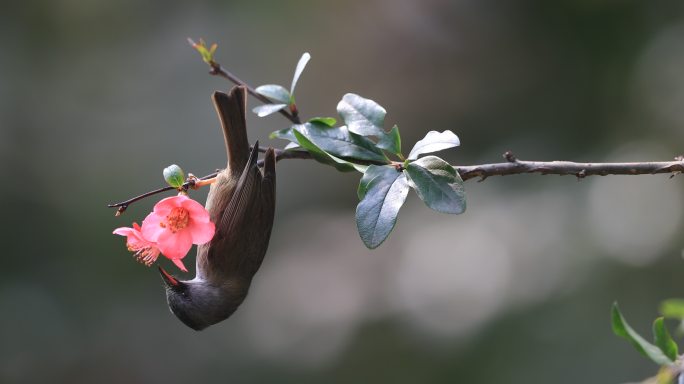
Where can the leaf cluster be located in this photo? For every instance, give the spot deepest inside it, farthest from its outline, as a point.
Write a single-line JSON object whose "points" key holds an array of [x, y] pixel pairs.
{"points": [[663, 351], [362, 144]]}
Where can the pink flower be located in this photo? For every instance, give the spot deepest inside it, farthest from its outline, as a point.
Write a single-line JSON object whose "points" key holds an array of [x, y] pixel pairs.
{"points": [[145, 251], [175, 224]]}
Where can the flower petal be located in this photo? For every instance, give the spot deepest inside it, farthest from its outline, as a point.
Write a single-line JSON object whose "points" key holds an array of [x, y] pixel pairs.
{"points": [[124, 231], [164, 206], [153, 226], [196, 210], [174, 245], [201, 232], [134, 237], [179, 264]]}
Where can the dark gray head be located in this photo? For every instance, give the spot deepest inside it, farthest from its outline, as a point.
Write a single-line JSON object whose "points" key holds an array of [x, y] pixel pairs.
{"points": [[199, 304]]}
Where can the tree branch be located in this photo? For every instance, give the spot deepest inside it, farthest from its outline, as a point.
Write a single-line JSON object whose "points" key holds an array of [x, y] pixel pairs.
{"points": [[512, 166]]}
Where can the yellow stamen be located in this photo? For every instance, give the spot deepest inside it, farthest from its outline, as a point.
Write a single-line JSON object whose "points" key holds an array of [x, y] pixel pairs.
{"points": [[145, 256], [177, 219]]}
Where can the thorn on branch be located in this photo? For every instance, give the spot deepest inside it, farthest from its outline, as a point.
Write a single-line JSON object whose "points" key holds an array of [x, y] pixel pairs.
{"points": [[581, 174], [214, 68], [510, 157]]}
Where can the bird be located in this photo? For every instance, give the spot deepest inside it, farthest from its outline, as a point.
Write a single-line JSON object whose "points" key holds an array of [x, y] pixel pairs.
{"points": [[241, 204]]}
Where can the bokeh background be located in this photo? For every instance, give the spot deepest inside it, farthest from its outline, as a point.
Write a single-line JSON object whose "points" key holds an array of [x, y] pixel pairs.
{"points": [[97, 97]]}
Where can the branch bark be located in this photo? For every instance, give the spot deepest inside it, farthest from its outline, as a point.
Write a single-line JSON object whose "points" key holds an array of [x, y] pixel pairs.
{"points": [[512, 166]]}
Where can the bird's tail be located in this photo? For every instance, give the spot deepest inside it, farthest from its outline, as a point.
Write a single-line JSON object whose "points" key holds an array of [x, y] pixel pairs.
{"points": [[231, 109]]}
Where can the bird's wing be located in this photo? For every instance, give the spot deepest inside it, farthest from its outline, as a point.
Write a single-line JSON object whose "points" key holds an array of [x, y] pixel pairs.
{"points": [[268, 190], [259, 220], [246, 192]]}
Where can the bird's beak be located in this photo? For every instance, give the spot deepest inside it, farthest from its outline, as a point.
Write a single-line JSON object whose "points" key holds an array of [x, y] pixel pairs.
{"points": [[168, 280]]}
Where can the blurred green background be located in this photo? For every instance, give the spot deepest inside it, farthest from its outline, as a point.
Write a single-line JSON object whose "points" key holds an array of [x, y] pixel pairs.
{"points": [[97, 97]]}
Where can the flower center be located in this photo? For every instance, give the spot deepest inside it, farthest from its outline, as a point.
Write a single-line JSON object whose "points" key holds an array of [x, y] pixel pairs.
{"points": [[177, 219]]}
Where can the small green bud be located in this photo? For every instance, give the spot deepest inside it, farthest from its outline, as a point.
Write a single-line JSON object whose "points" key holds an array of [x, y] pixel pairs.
{"points": [[174, 176], [201, 47]]}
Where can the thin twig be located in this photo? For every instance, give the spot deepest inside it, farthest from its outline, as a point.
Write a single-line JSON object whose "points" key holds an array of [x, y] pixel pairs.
{"points": [[122, 206], [218, 70], [279, 155]]}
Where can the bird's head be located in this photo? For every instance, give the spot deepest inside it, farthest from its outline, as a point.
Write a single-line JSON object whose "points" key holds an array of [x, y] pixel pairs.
{"points": [[199, 304]]}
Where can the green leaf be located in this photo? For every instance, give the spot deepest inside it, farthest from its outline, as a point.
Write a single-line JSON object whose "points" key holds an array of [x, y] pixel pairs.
{"points": [[391, 142], [384, 192], [174, 176], [662, 338], [298, 71], [324, 157], [285, 134], [292, 145], [373, 172], [434, 141], [267, 109], [438, 184], [622, 329], [673, 309], [336, 141], [363, 116], [329, 121], [274, 92], [340, 142]]}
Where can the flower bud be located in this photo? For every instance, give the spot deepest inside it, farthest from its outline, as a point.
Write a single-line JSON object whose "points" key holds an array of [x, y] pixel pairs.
{"points": [[174, 176]]}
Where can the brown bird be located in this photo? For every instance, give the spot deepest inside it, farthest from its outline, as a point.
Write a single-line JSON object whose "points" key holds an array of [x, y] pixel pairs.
{"points": [[241, 203]]}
